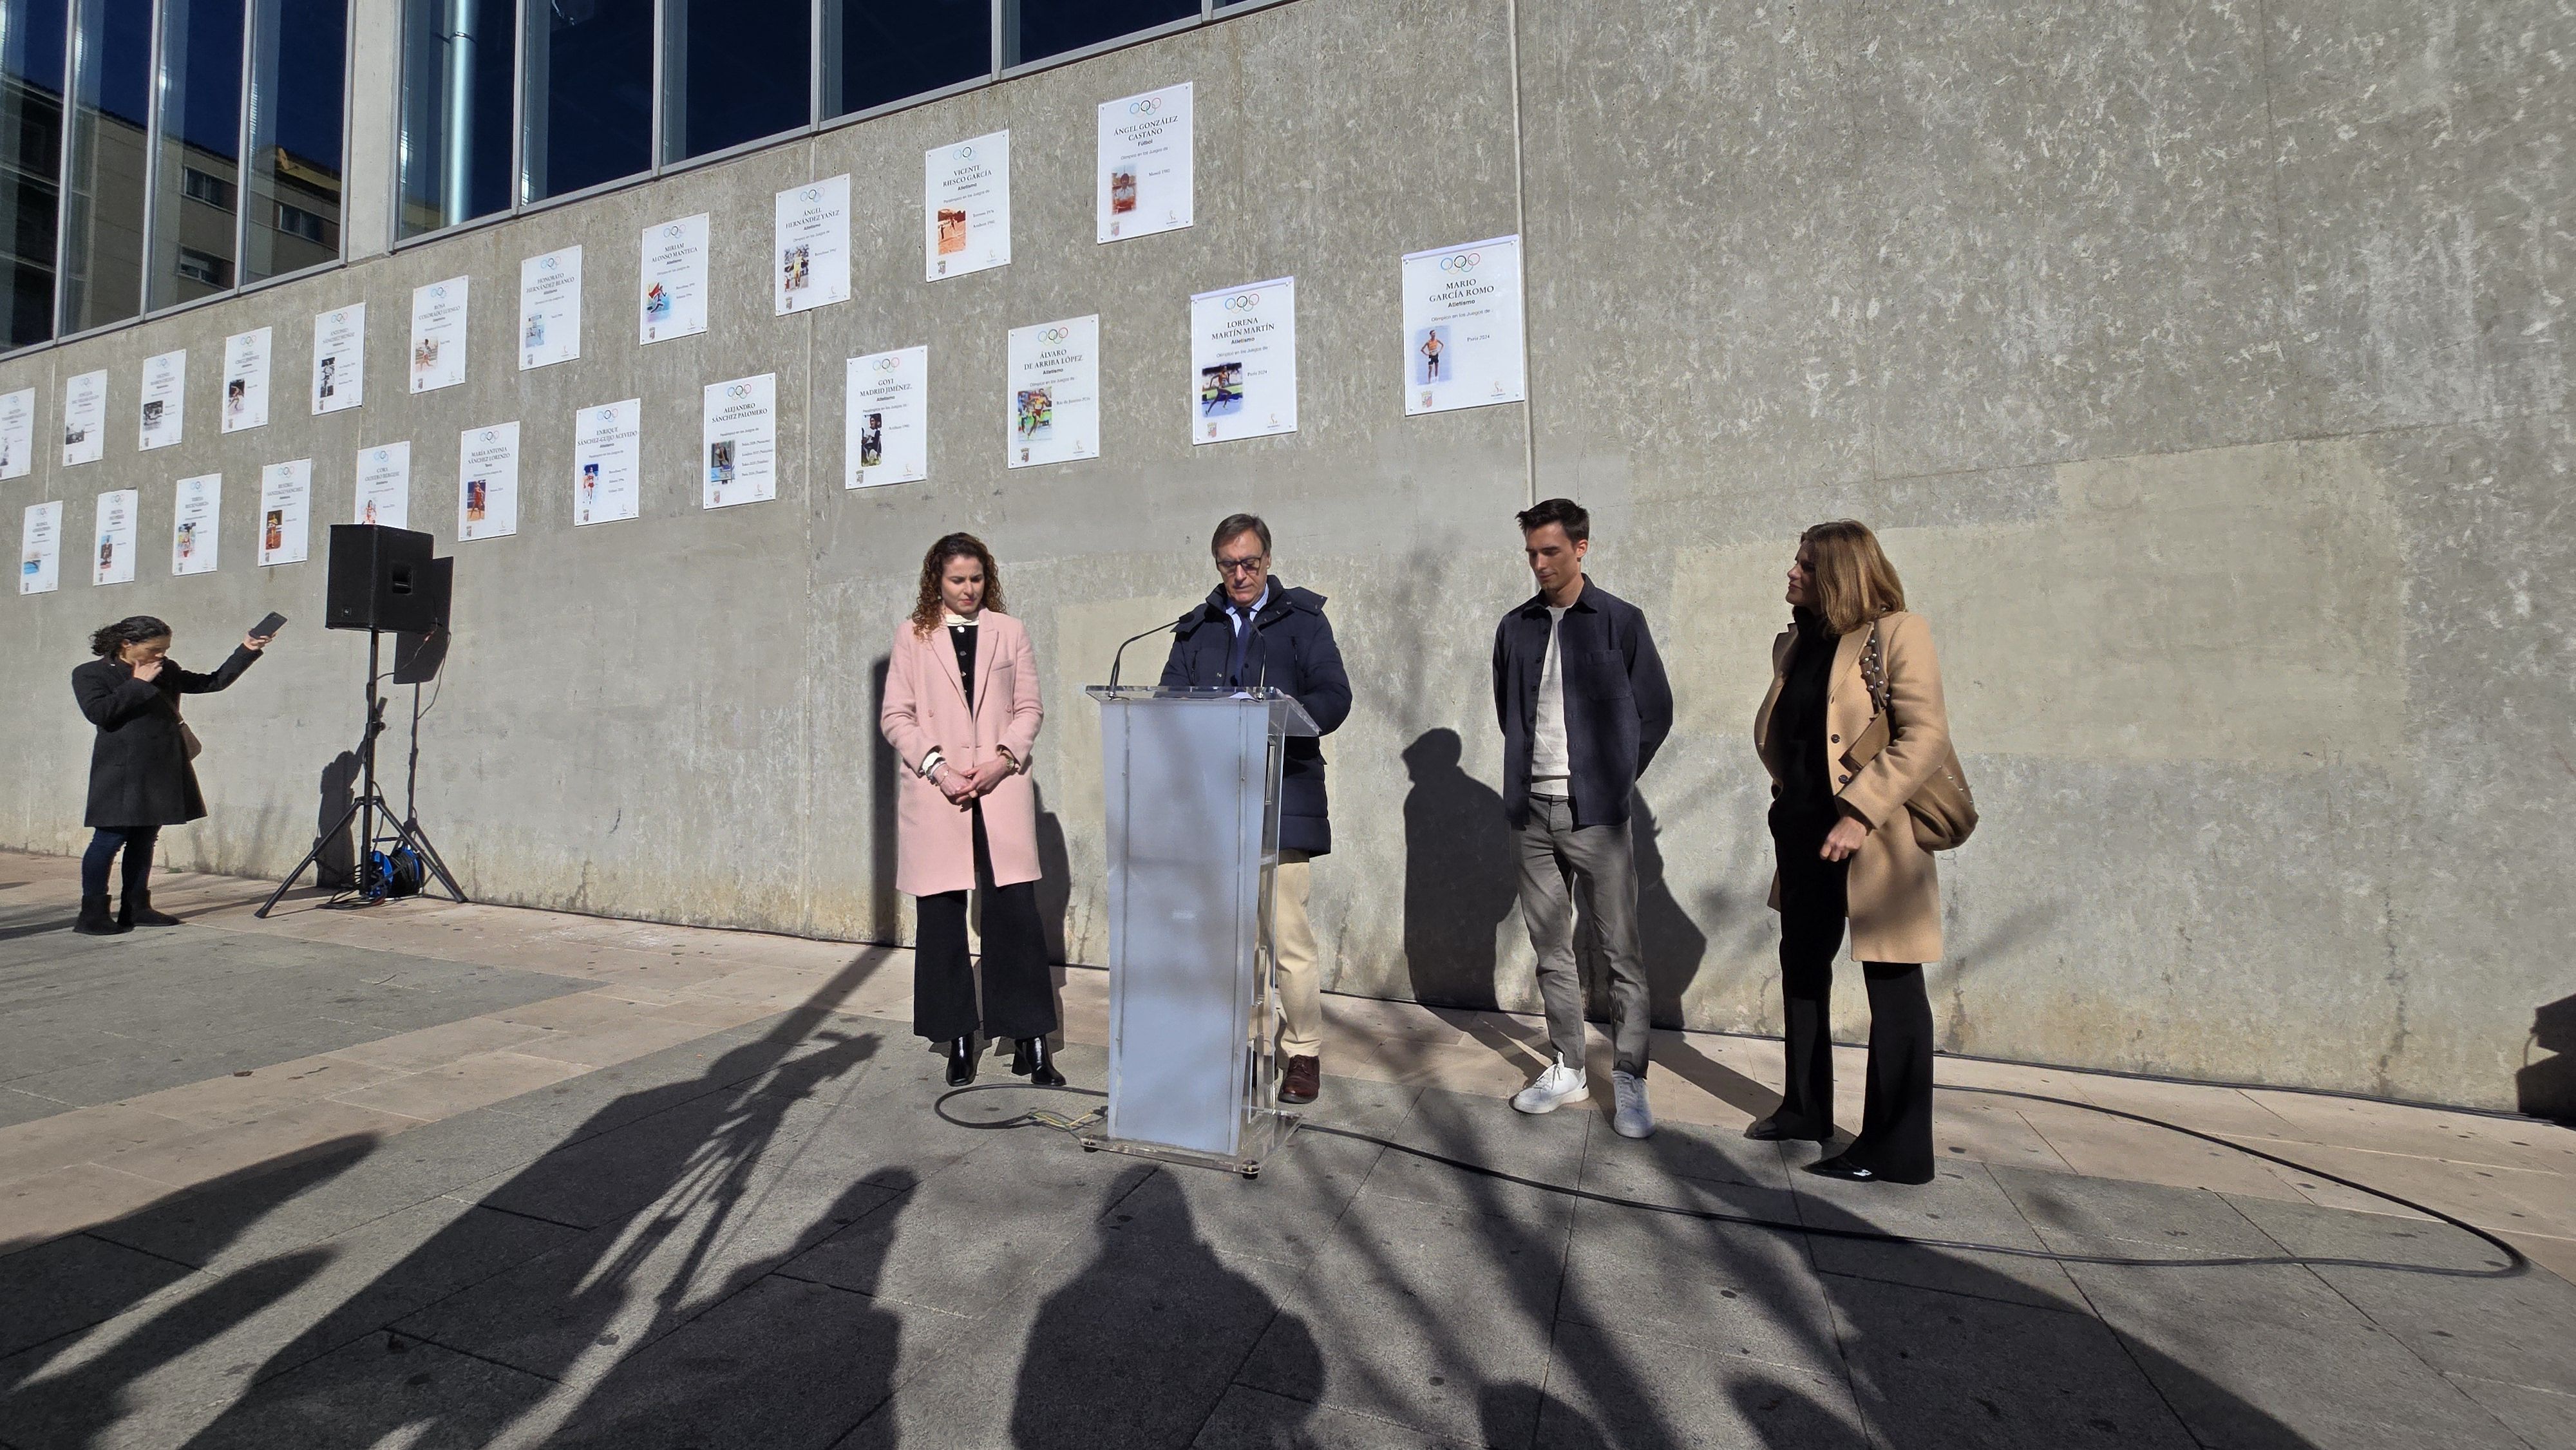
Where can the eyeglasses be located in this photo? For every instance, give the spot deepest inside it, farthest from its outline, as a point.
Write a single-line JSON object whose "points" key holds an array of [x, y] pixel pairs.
{"points": [[1248, 564]]}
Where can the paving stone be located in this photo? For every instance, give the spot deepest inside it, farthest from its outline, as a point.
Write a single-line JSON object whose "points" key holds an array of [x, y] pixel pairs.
{"points": [[379, 1389], [258, 1215], [65, 1200], [72, 1283], [975, 1232], [2457, 1317], [1250, 1419], [1672, 1167], [1962, 1205], [781, 1364], [2543, 1418], [1531, 1157], [1612, 1391], [701, 1217], [193, 1226], [2105, 1217], [1131, 1336], [1414, 1310], [133, 1381], [1736, 1292], [1937, 1369], [2271, 1355]]}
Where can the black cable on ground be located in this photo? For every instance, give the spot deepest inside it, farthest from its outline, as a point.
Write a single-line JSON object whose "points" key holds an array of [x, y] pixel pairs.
{"points": [[2514, 1266]]}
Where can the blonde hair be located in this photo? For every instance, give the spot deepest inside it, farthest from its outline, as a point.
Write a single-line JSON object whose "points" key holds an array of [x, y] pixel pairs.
{"points": [[1849, 579]]}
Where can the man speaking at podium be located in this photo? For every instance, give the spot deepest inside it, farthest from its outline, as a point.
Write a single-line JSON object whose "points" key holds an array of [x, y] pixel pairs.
{"points": [[1255, 631]]}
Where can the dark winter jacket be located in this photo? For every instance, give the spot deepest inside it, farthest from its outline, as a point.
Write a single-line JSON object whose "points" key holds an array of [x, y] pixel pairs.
{"points": [[139, 773], [1291, 649], [1618, 707]]}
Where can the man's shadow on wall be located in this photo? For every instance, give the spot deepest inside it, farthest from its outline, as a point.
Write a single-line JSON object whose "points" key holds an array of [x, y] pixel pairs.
{"points": [[1460, 876], [1055, 879], [882, 905], [1462, 880], [1673, 944], [335, 865], [2546, 1088]]}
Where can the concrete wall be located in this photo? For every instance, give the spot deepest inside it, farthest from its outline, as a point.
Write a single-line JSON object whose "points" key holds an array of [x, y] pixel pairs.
{"points": [[2206, 366]]}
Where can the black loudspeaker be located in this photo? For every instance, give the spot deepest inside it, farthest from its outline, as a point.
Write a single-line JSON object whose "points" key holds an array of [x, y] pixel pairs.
{"points": [[417, 656], [380, 579]]}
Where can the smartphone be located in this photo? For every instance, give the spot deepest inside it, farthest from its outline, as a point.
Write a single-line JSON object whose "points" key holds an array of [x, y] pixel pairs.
{"points": [[268, 626]]}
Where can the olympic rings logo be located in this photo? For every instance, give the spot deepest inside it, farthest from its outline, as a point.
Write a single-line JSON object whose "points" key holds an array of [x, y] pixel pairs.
{"points": [[1055, 334], [888, 364], [965, 153], [490, 434], [608, 415], [1146, 107], [738, 390], [674, 232], [383, 455], [438, 293], [1243, 302], [551, 263], [1463, 262], [813, 193]]}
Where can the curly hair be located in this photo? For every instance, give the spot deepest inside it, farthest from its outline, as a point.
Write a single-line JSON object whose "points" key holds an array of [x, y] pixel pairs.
{"points": [[133, 629], [928, 607]]}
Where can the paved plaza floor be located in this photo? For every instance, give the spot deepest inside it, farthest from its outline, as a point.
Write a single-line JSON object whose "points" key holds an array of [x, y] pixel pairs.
{"points": [[432, 1176]]}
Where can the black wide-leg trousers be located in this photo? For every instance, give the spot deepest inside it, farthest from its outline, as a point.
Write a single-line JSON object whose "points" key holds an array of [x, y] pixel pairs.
{"points": [[1895, 1139], [1019, 991]]}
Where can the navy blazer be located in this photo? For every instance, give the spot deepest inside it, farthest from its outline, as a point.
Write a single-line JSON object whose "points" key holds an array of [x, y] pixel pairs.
{"points": [[1291, 649], [1618, 707]]}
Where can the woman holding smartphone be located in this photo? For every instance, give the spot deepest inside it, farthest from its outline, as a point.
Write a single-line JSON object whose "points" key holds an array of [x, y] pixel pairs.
{"points": [[962, 712], [140, 778]]}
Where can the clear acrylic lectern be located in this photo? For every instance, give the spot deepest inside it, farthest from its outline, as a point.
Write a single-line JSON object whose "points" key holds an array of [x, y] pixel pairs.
{"points": [[1191, 779]]}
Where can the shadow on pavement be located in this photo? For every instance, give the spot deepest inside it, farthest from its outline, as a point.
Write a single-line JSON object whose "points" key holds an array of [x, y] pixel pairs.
{"points": [[54, 1392]]}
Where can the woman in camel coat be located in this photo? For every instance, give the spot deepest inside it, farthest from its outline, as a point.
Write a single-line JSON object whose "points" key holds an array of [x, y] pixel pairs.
{"points": [[1847, 854], [962, 712]]}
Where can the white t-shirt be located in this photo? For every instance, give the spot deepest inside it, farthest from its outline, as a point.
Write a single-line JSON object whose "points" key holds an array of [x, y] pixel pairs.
{"points": [[1551, 767]]}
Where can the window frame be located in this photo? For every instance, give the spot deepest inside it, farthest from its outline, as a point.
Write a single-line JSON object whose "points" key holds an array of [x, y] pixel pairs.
{"points": [[152, 189], [816, 124]]}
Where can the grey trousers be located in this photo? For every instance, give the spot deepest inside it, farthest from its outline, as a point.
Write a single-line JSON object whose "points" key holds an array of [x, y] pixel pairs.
{"points": [[1595, 869]]}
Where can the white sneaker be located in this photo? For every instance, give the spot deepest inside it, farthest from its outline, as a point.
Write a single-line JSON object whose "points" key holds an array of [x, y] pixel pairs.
{"points": [[1558, 1084], [1630, 1118]]}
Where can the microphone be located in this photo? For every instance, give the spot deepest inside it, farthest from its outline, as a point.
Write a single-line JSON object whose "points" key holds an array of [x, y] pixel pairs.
{"points": [[1115, 659]]}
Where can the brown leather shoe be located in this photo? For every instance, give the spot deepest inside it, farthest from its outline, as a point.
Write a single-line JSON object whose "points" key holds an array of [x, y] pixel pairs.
{"points": [[1303, 1080]]}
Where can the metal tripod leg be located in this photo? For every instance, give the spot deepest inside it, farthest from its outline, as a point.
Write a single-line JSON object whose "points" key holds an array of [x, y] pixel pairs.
{"points": [[313, 857], [411, 833]]}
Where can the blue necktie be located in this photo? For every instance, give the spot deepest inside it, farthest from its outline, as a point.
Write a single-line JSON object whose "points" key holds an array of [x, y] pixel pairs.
{"points": [[1234, 661]]}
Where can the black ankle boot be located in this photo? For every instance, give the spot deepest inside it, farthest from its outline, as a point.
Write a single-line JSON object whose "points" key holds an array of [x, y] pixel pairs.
{"points": [[136, 910], [961, 1061], [94, 920], [1031, 1059]]}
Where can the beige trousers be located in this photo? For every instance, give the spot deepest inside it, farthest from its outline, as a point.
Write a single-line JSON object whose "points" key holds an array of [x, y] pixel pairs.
{"points": [[1300, 978]]}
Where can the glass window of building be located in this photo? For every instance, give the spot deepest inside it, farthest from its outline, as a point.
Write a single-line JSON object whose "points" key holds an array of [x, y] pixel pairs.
{"points": [[1037, 29], [458, 56], [876, 51], [734, 72], [111, 87], [197, 175], [589, 106], [299, 58], [31, 162]]}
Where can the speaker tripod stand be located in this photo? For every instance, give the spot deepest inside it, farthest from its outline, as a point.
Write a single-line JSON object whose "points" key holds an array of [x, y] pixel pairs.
{"points": [[386, 872]]}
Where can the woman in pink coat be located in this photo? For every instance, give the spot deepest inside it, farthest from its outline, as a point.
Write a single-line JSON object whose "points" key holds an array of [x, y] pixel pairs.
{"points": [[962, 712]]}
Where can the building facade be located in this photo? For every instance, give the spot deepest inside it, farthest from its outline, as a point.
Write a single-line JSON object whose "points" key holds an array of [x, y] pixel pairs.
{"points": [[2206, 370]]}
